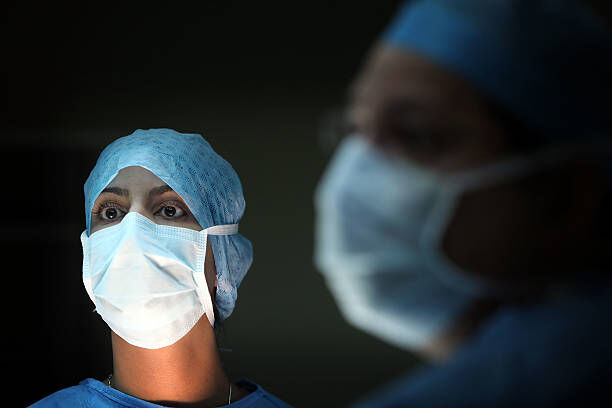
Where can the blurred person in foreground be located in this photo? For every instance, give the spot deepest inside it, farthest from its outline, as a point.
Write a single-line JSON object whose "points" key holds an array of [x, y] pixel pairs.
{"points": [[466, 215]]}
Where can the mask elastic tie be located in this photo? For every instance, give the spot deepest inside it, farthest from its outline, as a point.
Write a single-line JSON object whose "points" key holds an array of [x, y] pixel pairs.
{"points": [[228, 229]]}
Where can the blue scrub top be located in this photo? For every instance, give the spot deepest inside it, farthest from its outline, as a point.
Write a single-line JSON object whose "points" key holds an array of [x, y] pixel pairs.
{"points": [[554, 353], [92, 393]]}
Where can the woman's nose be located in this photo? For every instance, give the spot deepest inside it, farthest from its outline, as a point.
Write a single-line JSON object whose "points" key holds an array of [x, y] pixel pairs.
{"points": [[141, 209]]}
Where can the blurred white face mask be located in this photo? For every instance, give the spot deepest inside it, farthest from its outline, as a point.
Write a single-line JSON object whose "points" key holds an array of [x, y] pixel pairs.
{"points": [[379, 225], [147, 280]]}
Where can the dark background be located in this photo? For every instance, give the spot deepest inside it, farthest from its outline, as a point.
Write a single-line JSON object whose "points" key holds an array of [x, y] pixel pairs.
{"points": [[255, 81]]}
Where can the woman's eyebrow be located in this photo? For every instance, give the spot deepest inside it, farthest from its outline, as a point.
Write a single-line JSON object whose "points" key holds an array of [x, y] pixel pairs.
{"points": [[159, 190], [117, 191]]}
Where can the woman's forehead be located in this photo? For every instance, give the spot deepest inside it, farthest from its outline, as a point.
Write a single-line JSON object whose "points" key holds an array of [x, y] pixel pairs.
{"points": [[136, 181], [135, 175], [395, 74]]}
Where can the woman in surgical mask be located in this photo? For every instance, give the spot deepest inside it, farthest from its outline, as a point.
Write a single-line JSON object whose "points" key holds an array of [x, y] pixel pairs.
{"points": [[162, 261], [465, 216]]}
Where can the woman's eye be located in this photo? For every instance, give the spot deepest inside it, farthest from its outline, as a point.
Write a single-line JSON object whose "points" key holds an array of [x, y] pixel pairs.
{"points": [[110, 214], [171, 211]]}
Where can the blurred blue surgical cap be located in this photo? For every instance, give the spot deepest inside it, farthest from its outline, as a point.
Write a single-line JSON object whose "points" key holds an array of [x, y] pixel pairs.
{"points": [[548, 62], [205, 181]]}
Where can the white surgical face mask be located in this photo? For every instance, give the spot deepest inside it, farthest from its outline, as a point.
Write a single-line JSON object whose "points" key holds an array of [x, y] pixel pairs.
{"points": [[379, 226], [147, 280]]}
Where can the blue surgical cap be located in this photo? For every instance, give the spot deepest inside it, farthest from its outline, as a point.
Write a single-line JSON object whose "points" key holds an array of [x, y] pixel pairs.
{"points": [[549, 62], [205, 181]]}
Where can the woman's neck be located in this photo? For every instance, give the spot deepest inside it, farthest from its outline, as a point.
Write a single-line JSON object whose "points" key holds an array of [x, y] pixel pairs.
{"points": [[187, 373]]}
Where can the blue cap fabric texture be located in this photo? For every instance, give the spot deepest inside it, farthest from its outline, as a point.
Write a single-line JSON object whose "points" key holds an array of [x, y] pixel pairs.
{"points": [[204, 180], [549, 62]]}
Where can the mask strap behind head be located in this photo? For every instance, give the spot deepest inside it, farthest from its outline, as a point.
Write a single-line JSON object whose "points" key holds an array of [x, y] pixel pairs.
{"points": [[227, 229]]}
